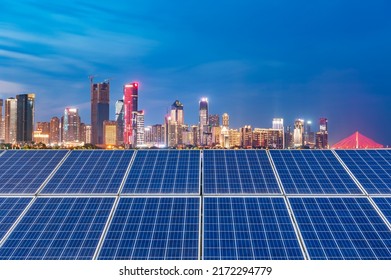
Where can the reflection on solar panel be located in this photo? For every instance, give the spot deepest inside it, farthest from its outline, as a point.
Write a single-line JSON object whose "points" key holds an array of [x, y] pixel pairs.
{"points": [[153, 228], [58, 228], [384, 204], [90, 172], [164, 171], [10, 209], [248, 228], [372, 168], [342, 228], [242, 171], [25, 171], [312, 172]]}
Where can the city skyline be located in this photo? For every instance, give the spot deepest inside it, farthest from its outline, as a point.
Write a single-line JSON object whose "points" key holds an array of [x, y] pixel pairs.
{"points": [[275, 60]]}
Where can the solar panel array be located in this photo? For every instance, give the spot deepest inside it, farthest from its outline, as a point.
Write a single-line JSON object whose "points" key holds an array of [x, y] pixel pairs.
{"points": [[191, 204]]}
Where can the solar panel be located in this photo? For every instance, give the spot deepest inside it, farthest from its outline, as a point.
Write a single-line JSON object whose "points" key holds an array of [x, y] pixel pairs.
{"points": [[90, 172], [153, 229], [58, 228], [248, 228], [164, 171], [372, 168], [384, 204], [312, 172], [242, 171], [24, 171], [10, 209], [342, 228]]}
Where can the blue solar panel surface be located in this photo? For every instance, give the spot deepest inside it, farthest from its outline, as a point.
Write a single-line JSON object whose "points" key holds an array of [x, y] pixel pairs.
{"points": [[248, 228], [312, 172], [10, 210], [25, 171], [90, 172], [342, 228], [242, 171], [372, 168], [384, 204], [154, 228], [164, 171], [58, 228]]}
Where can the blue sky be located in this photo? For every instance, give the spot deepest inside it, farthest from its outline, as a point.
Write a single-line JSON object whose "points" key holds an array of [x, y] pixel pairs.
{"points": [[254, 60]]}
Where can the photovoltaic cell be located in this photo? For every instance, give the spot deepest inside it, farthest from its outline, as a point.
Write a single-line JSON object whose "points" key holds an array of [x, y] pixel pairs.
{"points": [[342, 228], [58, 228], [384, 204], [242, 171], [248, 228], [372, 168], [164, 228], [25, 171], [10, 210], [312, 172], [164, 171], [90, 172]]}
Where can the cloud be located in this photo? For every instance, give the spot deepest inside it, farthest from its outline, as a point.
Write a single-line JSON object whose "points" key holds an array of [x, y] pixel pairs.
{"points": [[10, 89]]}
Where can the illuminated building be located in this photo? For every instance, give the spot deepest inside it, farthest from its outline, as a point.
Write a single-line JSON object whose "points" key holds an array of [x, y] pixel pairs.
{"points": [[288, 138], [176, 124], [130, 109], [246, 136], [71, 125], [214, 120], [119, 118], [25, 117], [226, 120], [268, 138], [298, 133], [110, 133], [322, 141], [278, 123], [203, 122], [54, 136], [216, 134], [234, 138], [139, 117], [100, 109], [88, 134], [2, 128], [309, 135]]}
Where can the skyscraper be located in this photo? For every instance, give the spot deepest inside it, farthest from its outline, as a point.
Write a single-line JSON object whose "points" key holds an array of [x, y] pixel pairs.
{"points": [[10, 120], [2, 128], [298, 133], [278, 123], [139, 115], [25, 117], [203, 122], [225, 120], [322, 136], [130, 109], [110, 132], [176, 124], [214, 120], [100, 109], [71, 125], [119, 118]]}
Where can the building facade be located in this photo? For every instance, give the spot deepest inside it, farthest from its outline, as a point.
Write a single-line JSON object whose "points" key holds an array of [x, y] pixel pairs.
{"points": [[25, 117], [100, 110], [130, 112], [71, 125]]}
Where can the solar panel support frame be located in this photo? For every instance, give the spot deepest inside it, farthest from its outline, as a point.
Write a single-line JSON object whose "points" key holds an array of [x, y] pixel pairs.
{"points": [[290, 210], [11, 229], [52, 173], [122, 185], [368, 196]]}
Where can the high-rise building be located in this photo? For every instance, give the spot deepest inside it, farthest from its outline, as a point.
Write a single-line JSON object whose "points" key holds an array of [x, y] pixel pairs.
{"points": [[130, 109], [2, 125], [88, 134], [234, 138], [54, 137], [82, 133], [119, 118], [225, 120], [100, 110], [139, 117], [71, 125], [278, 123], [214, 120], [10, 120], [246, 137], [309, 135], [203, 122], [322, 136], [268, 138], [216, 134], [176, 124], [110, 132], [44, 127], [298, 133], [25, 117]]}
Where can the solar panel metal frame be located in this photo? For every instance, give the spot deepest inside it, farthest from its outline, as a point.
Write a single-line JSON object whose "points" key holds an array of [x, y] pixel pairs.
{"points": [[130, 188], [350, 157], [266, 188], [53, 162], [375, 215], [289, 177]]}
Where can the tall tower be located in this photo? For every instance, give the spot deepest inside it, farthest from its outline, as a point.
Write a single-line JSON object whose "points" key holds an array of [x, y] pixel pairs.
{"points": [[203, 122], [2, 131], [225, 120], [54, 137], [71, 125], [100, 99], [176, 124], [119, 118], [214, 120], [25, 117], [322, 136], [298, 133], [130, 111], [10, 120]]}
